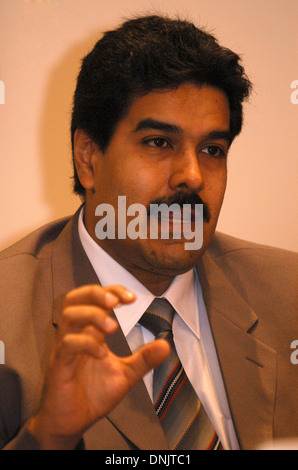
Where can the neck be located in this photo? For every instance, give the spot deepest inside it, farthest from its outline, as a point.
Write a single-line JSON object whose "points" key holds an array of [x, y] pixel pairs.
{"points": [[157, 284], [155, 281]]}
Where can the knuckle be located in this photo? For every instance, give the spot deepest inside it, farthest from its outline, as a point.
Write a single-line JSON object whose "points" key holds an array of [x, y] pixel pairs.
{"points": [[94, 291]]}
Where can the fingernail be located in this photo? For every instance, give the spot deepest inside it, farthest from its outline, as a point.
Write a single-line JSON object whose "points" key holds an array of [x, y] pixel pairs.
{"points": [[129, 295]]}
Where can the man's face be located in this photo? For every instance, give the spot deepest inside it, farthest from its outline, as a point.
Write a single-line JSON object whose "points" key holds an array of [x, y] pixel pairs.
{"points": [[169, 142]]}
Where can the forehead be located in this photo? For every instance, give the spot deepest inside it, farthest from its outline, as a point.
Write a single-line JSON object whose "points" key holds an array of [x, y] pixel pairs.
{"points": [[188, 108]]}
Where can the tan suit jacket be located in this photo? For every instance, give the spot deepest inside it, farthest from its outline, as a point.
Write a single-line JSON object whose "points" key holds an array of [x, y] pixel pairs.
{"points": [[249, 295]]}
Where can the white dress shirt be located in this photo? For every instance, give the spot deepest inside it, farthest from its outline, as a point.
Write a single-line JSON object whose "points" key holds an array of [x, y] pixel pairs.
{"points": [[192, 334]]}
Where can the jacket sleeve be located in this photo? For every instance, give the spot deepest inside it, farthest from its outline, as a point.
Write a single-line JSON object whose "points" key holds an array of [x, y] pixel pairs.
{"points": [[22, 441], [10, 405], [13, 435]]}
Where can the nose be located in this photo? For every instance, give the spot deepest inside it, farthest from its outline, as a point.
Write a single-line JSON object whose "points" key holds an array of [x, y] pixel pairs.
{"points": [[186, 172]]}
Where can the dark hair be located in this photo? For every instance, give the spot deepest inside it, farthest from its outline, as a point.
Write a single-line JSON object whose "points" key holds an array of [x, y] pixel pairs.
{"points": [[146, 54]]}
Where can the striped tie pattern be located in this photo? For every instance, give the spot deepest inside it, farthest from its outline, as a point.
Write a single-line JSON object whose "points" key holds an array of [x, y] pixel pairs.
{"points": [[181, 414]]}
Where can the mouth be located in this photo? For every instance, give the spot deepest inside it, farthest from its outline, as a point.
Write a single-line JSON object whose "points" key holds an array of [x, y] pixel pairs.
{"points": [[182, 205], [177, 224]]}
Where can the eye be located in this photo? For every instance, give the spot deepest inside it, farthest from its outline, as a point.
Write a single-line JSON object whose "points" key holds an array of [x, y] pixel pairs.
{"points": [[214, 151], [157, 142]]}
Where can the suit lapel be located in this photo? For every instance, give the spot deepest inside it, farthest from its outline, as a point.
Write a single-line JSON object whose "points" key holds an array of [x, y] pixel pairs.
{"points": [[248, 366], [134, 417]]}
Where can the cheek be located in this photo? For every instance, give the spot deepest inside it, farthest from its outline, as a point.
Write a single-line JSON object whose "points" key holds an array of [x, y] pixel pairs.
{"points": [[145, 181], [214, 191], [216, 181]]}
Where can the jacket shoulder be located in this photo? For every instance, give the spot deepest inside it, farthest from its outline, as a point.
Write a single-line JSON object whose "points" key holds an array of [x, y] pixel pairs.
{"points": [[37, 242], [225, 245], [258, 271]]}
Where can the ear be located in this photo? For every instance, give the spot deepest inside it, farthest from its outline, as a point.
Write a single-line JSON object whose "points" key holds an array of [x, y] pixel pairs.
{"points": [[84, 154]]}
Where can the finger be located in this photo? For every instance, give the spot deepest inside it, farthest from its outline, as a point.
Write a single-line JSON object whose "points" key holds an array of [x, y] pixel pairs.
{"points": [[104, 297], [73, 345], [148, 357], [94, 332], [124, 295], [75, 318]]}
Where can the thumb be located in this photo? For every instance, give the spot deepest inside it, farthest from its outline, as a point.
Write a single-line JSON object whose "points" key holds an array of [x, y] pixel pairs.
{"points": [[146, 358]]}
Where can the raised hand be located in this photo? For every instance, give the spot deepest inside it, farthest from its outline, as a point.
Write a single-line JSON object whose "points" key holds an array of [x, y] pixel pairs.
{"points": [[85, 379]]}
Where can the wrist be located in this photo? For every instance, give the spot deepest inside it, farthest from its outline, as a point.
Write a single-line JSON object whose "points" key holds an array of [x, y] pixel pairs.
{"points": [[47, 439]]}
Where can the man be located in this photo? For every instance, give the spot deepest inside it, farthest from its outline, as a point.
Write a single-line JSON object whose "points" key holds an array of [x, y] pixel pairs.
{"points": [[157, 105]]}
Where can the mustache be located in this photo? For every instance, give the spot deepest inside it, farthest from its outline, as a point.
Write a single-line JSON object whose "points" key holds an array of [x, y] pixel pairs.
{"points": [[182, 198]]}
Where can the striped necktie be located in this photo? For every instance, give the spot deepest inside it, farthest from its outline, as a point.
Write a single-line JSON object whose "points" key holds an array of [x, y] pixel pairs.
{"points": [[181, 414]]}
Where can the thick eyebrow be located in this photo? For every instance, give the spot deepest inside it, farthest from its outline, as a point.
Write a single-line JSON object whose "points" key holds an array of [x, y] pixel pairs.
{"points": [[149, 123], [157, 125], [225, 135]]}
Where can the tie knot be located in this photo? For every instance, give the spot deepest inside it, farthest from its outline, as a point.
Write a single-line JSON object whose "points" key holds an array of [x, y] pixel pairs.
{"points": [[159, 317]]}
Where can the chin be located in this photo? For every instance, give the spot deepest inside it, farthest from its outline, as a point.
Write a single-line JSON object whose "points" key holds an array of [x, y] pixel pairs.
{"points": [[171, 258]]}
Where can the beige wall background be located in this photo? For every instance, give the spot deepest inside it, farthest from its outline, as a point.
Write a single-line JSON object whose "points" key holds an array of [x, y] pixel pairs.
{"points": [[41, 45]]}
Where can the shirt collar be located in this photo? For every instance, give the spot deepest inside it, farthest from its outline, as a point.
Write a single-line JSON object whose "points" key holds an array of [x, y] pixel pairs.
{"points": [[182, 293]]}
